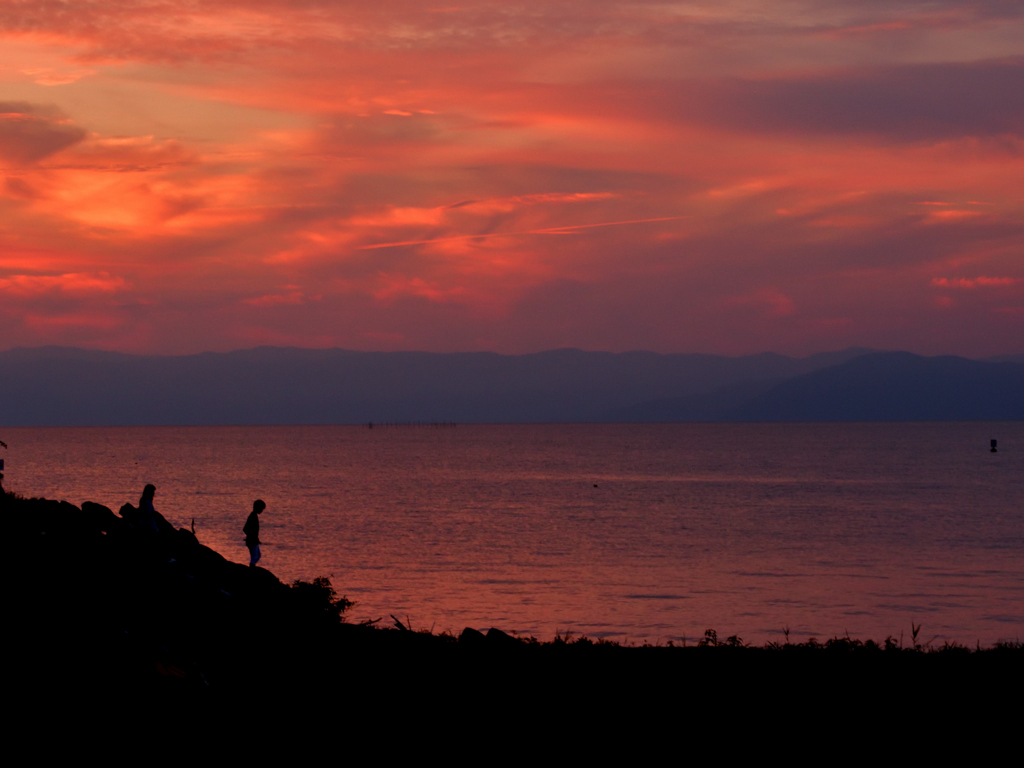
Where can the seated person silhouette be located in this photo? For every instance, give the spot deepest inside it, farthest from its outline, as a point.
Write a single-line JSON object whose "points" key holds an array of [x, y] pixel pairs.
{"points": [[147, 520]]}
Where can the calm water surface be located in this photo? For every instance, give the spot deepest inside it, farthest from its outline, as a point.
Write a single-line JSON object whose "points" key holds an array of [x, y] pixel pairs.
{"points": [[633, 532]]}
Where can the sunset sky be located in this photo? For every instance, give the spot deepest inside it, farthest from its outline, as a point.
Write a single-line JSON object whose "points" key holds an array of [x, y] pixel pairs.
{"points": [[725, 177]]}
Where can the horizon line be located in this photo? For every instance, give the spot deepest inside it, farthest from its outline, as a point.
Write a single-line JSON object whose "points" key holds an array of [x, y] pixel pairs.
{"points": [[864, 350]]}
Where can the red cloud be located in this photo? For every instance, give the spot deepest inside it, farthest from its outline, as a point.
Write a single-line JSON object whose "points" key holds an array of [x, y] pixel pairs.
{"points": [[550, 173]]}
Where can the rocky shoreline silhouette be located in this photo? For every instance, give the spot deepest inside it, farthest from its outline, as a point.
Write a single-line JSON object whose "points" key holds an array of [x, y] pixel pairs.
{"points": [[102, 606]]}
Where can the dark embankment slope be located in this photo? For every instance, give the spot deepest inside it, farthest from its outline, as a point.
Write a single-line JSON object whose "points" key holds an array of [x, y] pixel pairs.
{"points": [[97, 608], [894, 386]]}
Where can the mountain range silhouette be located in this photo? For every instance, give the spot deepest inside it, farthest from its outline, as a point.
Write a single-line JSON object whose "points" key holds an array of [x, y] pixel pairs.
{"points": [[60, 386]]}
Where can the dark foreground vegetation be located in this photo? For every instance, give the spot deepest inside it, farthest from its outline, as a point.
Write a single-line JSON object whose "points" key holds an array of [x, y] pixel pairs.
{"points": [[100, 608]]}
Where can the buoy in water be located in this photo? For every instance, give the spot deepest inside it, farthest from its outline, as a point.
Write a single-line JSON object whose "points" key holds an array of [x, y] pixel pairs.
{"points": [[993, 443]]}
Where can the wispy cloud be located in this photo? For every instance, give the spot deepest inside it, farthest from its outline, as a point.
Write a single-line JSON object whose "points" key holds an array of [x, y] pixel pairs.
{"points": [[974, 282], [566, 230], [28, 285]]}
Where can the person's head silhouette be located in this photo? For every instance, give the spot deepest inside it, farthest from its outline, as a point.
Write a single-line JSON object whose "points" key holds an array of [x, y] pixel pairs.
{"points": [[258, 506]]}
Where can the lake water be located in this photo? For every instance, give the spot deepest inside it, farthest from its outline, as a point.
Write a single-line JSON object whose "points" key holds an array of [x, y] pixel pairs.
{"points": [[631, 532]]}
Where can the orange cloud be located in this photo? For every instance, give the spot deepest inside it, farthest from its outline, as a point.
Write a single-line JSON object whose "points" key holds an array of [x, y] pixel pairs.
{"points": [[393, 286]]}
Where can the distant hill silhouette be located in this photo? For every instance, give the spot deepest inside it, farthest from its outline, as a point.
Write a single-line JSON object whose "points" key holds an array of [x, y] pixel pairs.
{"points": [[717, 405], [62, 386], [55, 386], [894, 386], [1005, 359]]}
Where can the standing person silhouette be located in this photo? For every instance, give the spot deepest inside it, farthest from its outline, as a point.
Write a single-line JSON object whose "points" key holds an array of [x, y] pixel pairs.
{"points": [[251, 529]]}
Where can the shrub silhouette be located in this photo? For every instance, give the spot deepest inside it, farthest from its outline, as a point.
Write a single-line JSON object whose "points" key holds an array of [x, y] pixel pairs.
{"points": [[710, 639], [319, 599]]}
